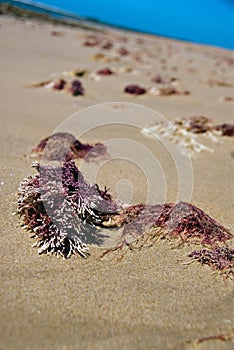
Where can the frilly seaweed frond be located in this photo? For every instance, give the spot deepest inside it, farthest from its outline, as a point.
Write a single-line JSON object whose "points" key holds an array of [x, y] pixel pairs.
{"points": [[60, 208], [220, 258]]}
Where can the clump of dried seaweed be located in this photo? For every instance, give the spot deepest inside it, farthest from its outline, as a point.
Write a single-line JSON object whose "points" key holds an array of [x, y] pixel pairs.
{"points": [[181, 220], [134, 89], [61, 208], [226, 129], [146, 223], [184, 132], [74, 87], [105, 71], [219, 258], [62, 145], [64, 212]]}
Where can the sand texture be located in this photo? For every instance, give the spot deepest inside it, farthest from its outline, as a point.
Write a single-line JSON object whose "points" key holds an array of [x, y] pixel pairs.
{"points": [[149, 299]]}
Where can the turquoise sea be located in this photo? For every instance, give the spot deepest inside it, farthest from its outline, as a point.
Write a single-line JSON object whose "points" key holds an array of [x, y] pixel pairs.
{"points": [[203, 21]]}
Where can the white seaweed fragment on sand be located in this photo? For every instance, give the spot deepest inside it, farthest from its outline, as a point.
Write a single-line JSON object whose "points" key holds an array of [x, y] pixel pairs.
{"points": [[184, 133]]}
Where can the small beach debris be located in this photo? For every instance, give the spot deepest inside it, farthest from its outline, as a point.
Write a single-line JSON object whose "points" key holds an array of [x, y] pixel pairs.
{"points": [[76, 88], [92, 41], [42, 83], [99, 56], [184, 132], [228, 99], [196, 124], [221, 83], [57, 33], [219, 258], [226, 129], [63, 145], [160, 80], [168, 91], [134, 89], [107, 45], [105, 71], [79, 73], [59, 85], [60, 208], [221, 336], [166, 86], [122, 51]]}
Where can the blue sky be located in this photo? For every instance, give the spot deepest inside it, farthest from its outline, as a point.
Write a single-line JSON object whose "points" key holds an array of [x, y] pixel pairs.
{"points": [[207, 21]]}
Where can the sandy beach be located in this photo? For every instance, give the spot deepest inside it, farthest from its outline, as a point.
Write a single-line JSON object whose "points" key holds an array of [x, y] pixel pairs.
{"points": [[149, 299]]}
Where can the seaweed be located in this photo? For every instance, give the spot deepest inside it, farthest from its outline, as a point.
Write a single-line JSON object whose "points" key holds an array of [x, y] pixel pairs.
{"points": [[184, 132], [184, 221], [180, 220], [61, 208], [59, 85], [76, 88], [65, 213], [63, 145], [219, 258], [105, 71], [134, 89], [226, 129]]}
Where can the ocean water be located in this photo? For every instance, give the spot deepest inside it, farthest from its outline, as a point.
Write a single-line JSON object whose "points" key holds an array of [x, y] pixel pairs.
{"points": [[203, 21]]}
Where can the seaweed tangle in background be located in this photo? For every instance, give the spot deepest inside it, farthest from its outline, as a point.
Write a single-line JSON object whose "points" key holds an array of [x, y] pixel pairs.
{"points": [[65, 213], [184, 132], [62, 145]]}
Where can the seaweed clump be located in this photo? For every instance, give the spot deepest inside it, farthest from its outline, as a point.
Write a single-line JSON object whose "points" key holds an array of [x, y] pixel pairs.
{"points": [[63, 145], [61, 208], [220, 258], [105, 71], [183, 221], [180, 220], [135, 89], [184, 132], [76, 88], [65, 213]]}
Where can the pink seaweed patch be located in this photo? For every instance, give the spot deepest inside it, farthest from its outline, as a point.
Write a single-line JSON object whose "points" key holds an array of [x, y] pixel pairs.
{"points": [[226, 129], [105, 71], [134, 89], [62, 145], [76, 88], [61, 208], [177, 220], [220, 258]]}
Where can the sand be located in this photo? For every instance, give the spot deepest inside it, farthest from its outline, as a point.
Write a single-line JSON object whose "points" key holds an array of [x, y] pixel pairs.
{"points": [[149, 299]]}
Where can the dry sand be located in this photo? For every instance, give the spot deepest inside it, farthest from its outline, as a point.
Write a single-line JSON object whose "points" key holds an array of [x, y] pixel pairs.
{"points": [[149, 299]]}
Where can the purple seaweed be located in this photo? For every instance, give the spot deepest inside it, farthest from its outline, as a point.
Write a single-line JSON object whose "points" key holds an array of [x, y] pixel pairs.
{"points": [[135, 89], [63, 145], [219, 258], [76, 88], [63, 210]]}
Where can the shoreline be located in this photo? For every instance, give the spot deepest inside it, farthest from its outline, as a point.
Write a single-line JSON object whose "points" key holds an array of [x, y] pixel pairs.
{"points": [[87, 23]]}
